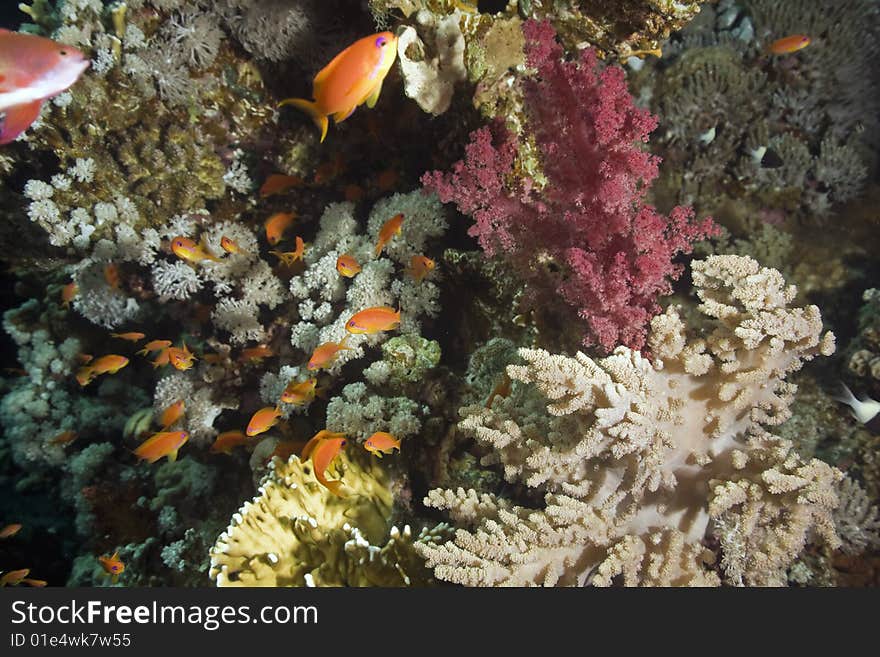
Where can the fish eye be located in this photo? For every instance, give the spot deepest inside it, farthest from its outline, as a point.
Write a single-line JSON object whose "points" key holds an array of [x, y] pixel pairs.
{"points": [[62, 52], [381, 41]]}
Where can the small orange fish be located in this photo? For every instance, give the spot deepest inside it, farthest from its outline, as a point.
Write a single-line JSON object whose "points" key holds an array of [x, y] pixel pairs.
{"points": [[10, 530], [228, 440], [109, 364], [85, 359], [112, 565], [323, 448], [133, 336], [299, 393], [389, 229], [420, 266], [84, 376], [68, 294], [189, 251], [111, 275], [324, 355], [257, 353], [181, 359], [352, 78], [278, 183], [789, 44], [263, 420], [347, 266], [160, 445], [289, 258], [172, 414], [230, 245], [14, 577], [277, 224], [500, 390], [381, 443], [64, 438], [374, 320], [154, 345], [34, 69], [162, 358], [37, 583], [353, 193]]}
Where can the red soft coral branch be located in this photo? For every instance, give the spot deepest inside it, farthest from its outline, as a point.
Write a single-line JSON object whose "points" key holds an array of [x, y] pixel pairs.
{"points": [[616, 252]]}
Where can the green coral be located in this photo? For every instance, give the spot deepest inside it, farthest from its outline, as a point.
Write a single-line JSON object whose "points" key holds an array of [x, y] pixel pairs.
{"points": [[406, 359]]}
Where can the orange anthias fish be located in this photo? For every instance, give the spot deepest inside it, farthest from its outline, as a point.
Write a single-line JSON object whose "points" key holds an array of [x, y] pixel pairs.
{"points": [[160, 445], [347, 266], [37, 583], [161, 358], [263, 420], [291, 256], [299, 393], [277, 224], [84, 376], [10, 530], [191, 252], [381, 443], [420, 266], [353, 78], [172, 414], [389, 229], [256, 353], [323, 448], [228, 440], [112, 565], [181, 359], [64, 438], [500, 390], [374, 320], [109, 364], [789, 44], [154, 345], [32, 70], [68, 293], [278, 183], [14, 577], [229, 245], [324, 355], [111, 275], [133, 336]]}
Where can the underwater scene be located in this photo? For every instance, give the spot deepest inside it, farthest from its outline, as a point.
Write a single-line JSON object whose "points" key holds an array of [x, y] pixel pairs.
{"points": [[440, 293]]}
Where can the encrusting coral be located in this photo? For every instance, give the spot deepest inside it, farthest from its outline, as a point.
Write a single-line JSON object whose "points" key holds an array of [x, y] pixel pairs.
{"points": [[296, 533], [640, 459]]}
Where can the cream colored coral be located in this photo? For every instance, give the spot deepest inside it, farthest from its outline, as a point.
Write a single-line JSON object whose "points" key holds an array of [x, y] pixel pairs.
{"points": [[641, 460], [296, 533]]}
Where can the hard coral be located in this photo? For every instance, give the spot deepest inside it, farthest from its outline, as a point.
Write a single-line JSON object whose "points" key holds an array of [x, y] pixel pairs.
{"points": [[588, 233]]}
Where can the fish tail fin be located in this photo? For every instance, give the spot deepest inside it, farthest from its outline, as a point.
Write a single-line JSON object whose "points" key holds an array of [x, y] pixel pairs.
{"points": [[312, 110], [845, 396], [17, 119]]}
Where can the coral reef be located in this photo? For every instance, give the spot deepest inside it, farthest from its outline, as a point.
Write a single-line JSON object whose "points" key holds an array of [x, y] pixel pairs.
{"points": [[640, 459]]}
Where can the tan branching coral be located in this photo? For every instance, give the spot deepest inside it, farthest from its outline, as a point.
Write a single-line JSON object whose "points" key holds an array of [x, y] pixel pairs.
{"points": [[641, 460], [296, 533]]}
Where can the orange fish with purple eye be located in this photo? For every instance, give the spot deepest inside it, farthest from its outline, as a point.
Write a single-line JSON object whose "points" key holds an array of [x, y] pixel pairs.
{"points": [[390, 228], [228, 440], [420, 266], [277, 225], [278, 183], [161, 359], [263, 420], [68, 294], [326, 354], [172, 414], [113, 565], [230, 245], [10, 530], [191, 252], [373, 320], [181, 358], [323, 449], [257, 353], [109, 364], [789, 44], [381, 443], [161, 445], [132, 336], [14, 577], [84, 376], [154, 345], [347, 266], [290, 257]]}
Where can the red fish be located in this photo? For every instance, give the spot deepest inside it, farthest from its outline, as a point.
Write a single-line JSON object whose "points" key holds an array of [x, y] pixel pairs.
{"points": [[299, 393], [277, 224], [420, 266], [32, 70], [14, 577], [172, 414], [154, 345], [132, 336], [68, 293], [347, 266]]}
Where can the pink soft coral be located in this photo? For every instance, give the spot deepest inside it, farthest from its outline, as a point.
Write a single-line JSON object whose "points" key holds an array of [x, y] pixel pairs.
{"points": [[589, 232]]}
